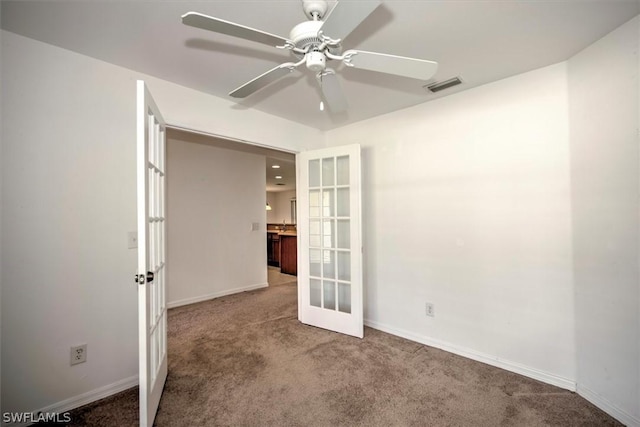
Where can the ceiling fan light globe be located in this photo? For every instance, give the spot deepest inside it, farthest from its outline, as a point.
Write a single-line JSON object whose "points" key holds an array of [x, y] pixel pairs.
{"points": [[316, 61]]}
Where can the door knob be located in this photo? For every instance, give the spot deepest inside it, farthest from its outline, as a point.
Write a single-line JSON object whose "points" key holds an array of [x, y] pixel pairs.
{"points": [[141, 278]]}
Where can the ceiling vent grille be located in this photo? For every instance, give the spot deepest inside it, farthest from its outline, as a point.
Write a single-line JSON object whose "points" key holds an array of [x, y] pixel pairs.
{"points": [[446, 84]]}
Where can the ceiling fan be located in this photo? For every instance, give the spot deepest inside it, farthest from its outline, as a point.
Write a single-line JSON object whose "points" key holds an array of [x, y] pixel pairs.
{"points": [[316, 43]]}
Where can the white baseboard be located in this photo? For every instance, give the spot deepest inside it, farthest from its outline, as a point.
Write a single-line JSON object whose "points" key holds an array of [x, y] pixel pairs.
{"points": [[608, 407], [193, 300], [507, 365], [85, 398], [593, 397]]}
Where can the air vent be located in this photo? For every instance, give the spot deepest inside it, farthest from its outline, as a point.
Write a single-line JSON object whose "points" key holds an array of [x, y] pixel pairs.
{"points": [[438, 86], [279, 183]]}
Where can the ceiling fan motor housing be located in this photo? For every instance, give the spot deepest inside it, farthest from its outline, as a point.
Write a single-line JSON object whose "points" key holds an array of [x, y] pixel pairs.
{"points": [[305, 35]]}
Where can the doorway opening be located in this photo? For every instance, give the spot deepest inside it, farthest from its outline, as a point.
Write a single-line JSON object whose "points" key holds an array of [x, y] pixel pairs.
{"points": [[219, 234], [281, 219]]}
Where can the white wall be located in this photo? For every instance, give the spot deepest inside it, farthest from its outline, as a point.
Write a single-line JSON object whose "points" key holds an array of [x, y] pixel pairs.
{"points": [[280, 202], [68, 201], [214, 196], [466, 204], [605, 169], [272, 214], [68, 176]]}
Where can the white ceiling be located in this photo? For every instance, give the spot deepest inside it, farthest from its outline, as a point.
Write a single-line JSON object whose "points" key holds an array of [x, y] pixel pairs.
{"points": [[287, 171], [480, 41]]}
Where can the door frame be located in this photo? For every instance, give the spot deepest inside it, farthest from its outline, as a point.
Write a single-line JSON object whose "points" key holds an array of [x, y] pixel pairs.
{"points": [[169, 125]]}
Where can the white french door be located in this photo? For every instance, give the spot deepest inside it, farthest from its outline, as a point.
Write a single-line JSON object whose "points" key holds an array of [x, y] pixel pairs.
{"points": [[151, 277], [330, 239]]}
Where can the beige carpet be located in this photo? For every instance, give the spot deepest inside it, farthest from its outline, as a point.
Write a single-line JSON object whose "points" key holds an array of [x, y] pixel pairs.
{"points": [[245, 360]]}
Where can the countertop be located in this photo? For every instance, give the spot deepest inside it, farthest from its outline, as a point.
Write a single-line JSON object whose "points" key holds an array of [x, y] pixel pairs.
{"points": [[283, 233]]}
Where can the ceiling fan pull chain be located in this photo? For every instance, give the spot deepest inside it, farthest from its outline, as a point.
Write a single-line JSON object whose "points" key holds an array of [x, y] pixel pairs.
{"points": [[320, 75]]}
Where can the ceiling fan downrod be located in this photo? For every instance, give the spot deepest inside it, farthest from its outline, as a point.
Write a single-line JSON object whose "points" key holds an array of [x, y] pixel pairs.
{"points": [[314, 9]]}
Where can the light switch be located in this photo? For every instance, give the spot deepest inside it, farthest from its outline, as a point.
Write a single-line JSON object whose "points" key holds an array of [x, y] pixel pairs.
{"points": [[132, 239], [255, 226]]}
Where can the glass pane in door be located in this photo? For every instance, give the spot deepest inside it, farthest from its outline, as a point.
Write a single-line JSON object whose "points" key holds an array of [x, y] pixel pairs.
{"points": [[314, 203], [342, 170], [343, 234], [327, 203], [329, 288], [344, 297], [315, 266], [329, 264], [315, 287], [314, 233], [314, 173], [344, 266], [328, 234], [328, 172], [343, 202]]}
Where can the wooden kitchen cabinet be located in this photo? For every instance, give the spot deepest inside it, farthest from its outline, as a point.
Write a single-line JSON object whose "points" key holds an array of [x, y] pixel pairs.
{"points": [[289, 254], [273, 249]]}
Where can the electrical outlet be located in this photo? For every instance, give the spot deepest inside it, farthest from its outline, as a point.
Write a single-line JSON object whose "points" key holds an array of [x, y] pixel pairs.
{"points": [[430, 311], [78, 354]]}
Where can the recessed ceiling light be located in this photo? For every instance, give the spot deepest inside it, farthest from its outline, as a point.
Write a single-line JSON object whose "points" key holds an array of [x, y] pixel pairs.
{"points": [[278, 177], [275, 167]]}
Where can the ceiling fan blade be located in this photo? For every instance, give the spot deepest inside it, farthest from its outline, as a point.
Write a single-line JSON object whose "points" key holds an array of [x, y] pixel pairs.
{"points": [[346, 16], [332, 91], [414, 68], [263, 80], [210, 23]]}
